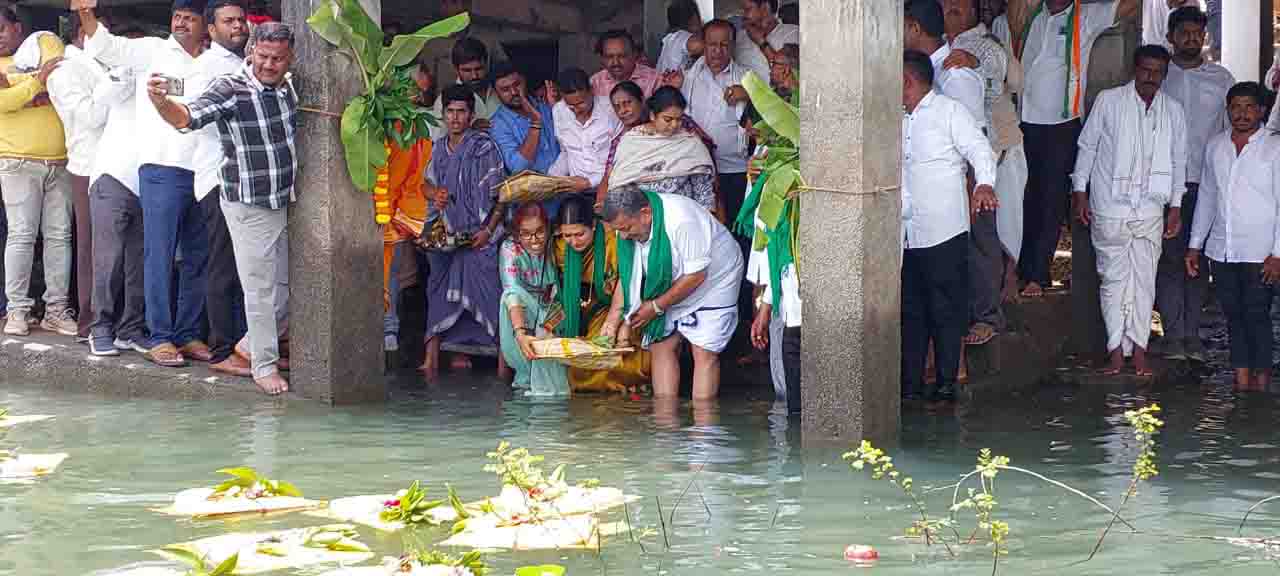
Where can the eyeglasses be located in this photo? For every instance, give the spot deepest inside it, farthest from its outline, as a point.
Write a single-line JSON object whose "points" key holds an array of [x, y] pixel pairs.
{"points": [[539, 234]]}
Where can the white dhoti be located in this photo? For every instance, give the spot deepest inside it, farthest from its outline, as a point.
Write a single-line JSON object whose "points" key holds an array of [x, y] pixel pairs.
{"points": [[1011, 184], [707, 328], [1128, 251]]}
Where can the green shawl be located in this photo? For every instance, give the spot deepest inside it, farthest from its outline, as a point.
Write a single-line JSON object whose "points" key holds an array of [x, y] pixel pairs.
{"points": [[777, 239], [658, 279], [571, 282]]}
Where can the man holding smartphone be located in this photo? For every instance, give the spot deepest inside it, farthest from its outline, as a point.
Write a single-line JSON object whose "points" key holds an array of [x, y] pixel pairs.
{"points": [[256, 112], [171, 215]]}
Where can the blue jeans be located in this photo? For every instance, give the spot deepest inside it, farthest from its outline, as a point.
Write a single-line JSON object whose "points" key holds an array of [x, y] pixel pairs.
{"points": [[172, 217]]}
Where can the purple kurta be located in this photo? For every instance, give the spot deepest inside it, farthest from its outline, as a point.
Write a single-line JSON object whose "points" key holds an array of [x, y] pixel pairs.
{"points": [[463, 288]]}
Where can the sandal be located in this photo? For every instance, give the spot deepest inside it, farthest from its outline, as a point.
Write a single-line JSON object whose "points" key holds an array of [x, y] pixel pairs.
{"points": [[166, 355], [980, 334], [1108, 371]]}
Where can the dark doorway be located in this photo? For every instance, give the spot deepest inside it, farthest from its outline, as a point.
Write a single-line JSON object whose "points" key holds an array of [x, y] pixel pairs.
{"points": [[536, 59]]}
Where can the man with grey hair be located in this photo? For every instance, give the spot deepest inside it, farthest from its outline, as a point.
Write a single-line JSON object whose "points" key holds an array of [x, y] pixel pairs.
{"points": [[255, 110], [679, 274]]}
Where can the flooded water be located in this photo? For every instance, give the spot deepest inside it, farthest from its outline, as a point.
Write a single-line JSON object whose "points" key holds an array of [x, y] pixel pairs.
{"points": [[754, 501]]}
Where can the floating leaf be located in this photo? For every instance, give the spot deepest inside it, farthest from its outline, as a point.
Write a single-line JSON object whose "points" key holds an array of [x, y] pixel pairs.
{"points": [[227, 567]]}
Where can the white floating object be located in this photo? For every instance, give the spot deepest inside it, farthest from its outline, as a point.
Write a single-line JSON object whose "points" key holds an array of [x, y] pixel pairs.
{"points": [[30, 465], [12, 420], [251, 561], [195, 503], [364, 510]]}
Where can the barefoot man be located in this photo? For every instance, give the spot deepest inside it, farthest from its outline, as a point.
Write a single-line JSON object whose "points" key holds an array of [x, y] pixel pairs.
{"points": [[255, 110], [1131, 165]]}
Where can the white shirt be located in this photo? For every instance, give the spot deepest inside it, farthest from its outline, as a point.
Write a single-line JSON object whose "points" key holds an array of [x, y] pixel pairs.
{"points": [[1044, 61], [750, 56], [1236, 219], [964, 85], [698, 242], [1202, 92], [758, 274], [214, 62], [939, 139], [704, 90], [584, 147], [1000, 29], [1113, 195], [158, 143], [71, 90], [118, 149], [675, 51]]}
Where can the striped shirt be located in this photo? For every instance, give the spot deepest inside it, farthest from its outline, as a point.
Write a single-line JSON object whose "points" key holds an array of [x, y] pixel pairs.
{"points": [[256, 125]]}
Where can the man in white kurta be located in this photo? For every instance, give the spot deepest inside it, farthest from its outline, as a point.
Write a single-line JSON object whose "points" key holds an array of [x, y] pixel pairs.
{"points": [[701, 305], [1130, 166]]}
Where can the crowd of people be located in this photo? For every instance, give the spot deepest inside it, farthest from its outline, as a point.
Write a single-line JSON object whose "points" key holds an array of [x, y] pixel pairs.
{"points": [[159, 173], [1172, 175]]}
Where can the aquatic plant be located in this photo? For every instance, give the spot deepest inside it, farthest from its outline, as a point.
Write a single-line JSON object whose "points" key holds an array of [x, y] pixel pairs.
{"points": [[247, 483], [410, 507], [982, 500], [1145, 426], [198, 564], [882, 468], [4, 412]]}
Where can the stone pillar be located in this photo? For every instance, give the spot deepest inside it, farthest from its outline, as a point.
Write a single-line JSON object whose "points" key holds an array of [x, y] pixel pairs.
{"points": [[336, 261], [1241, 37], [851, 114]]}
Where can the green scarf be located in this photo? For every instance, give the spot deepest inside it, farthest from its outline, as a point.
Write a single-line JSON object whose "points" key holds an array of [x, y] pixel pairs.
{"points": [[571, 283], [780, 252], [745, 223], [658, 279]]}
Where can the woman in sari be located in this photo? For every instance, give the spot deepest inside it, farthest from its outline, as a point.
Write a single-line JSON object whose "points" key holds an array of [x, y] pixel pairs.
{"points": [[528, 290], [588, 262], [659, 134]]}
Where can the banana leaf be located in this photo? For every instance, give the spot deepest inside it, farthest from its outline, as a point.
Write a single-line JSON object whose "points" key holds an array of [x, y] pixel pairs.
{"points": [[774, 197], [405, 48], [367, 35], [780, 115], [363, 143]]}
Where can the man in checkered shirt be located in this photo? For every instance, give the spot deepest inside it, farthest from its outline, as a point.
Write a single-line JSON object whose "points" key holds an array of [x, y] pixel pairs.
{"points": [[255, 110]]}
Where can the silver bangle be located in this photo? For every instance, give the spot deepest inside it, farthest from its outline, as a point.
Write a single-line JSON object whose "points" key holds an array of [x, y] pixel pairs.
{"points": [[656, 309]]}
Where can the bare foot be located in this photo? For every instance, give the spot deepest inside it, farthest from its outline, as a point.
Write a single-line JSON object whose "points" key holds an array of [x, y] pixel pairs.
{"points": [[460, 363], [1032, 290], [1262, 380], [1140, 366], [273, 385], [1115, 364]]}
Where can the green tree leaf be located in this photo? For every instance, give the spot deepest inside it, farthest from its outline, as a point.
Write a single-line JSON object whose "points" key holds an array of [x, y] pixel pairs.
{"points": [[324, 22], [366, 35], [781, 116], [405, 47], [362, 142]]}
